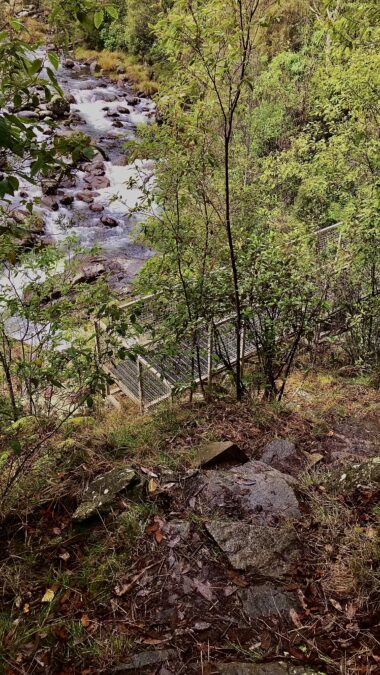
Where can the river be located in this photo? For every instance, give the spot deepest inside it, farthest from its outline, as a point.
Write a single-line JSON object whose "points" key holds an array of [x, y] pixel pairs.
{"points": [[95, 203]]}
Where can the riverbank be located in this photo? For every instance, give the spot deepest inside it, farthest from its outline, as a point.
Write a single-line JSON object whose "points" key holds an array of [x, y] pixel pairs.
{"points": [[149, 586], [120, 66]]}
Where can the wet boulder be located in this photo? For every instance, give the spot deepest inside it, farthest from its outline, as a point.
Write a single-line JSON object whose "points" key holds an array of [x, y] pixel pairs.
{"points": [[255, 490], [69, 63], [97, 182], [96, 208], [281, 454], [267, 600], [108, 221], [67, 200], [94, 68], [264, 550], [86, 197], [59, 106]]}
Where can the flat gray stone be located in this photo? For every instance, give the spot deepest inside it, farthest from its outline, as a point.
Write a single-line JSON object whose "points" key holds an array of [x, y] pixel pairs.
{"points": [[219, 452], [269, 551], [144, 659], [266, 600], [272, 668], [279, 453], [176, 532], [102, 492], [255, 490]]}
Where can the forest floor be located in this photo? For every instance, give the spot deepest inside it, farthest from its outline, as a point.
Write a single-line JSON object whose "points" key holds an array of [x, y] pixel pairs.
{"points": [[144, 588]]}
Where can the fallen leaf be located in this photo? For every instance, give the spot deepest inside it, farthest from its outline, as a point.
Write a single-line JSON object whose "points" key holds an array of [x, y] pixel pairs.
{"points": [[48, 596], [85, 621], [351, 610], [122, 590], [336, 604], [64, 556], [201, 625], [159, 536], [61, 633], [26, 608], [330, 433], [371, 532], [152, 485], [295, 617], [203, 588]]}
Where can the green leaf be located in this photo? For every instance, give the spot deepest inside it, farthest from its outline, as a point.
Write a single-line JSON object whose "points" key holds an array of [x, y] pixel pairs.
{"points": [[98, 18], [16, 25], [54, 60], [112, 11], [17, 100], [16, 446]]}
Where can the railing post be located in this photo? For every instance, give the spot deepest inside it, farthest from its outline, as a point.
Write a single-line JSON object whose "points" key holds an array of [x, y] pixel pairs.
{"points": [[242, 349], [210, 349], [141, 388]]}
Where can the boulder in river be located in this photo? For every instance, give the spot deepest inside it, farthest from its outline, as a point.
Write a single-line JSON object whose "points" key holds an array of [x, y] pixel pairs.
{"points": [[68, 63], [96, 208], [97, 182], [123, 110], [67, 200], [117, 124], [49, 186], [59, 106], [85, 197], [108, 221], [94, 68], [89, 273]]}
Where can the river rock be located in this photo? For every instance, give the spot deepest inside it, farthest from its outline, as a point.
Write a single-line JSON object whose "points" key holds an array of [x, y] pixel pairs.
{"points": [[95, 165], [102, 492], [49, 186], [97, 182], [20, 216], [270, 668], [68, 63], [264, 550], [50, 202], [89, 273], [219, 453], [67, 200], [117, 124], [94, 68], [59, 106], [120, 70], [108, 221], [28, 114], [267, 600], [84, 197], [259, 492], [96, 208], [123, 110]]}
